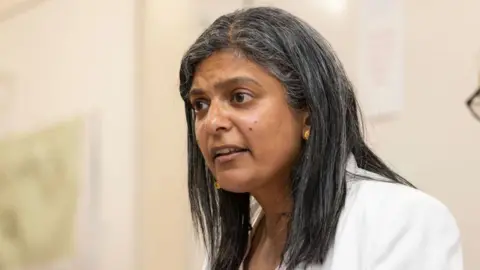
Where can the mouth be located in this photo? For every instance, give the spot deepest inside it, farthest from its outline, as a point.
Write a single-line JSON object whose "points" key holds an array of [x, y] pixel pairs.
{"points": [[227, 152]]}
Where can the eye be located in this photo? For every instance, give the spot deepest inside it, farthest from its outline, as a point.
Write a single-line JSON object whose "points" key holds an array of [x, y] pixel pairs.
{"points": [[199, 105], [241, 97]]}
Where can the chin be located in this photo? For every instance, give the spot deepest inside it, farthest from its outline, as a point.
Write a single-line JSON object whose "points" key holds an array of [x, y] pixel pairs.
{"points": [[236, 182]]}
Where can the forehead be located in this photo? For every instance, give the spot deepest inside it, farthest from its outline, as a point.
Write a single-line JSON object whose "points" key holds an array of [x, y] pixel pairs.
{"points": [[224, 65]]}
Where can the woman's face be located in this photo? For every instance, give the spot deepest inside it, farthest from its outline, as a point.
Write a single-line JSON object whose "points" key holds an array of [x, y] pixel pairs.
{"points": [[248, 134]]}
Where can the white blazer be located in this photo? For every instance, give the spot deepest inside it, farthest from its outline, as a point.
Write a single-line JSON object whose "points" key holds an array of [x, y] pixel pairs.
{"points": [[388, 226]]}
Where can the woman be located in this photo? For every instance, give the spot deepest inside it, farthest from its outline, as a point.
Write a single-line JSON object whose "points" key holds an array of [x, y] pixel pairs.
{"points": [[279, 174]]}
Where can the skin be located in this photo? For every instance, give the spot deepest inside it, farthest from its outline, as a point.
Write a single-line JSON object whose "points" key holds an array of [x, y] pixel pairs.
{"points": [[238, 103]]}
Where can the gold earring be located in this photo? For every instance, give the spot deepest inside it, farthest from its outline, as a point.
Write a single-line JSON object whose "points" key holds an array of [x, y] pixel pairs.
{"points": [[217, 185], [306, 134]]}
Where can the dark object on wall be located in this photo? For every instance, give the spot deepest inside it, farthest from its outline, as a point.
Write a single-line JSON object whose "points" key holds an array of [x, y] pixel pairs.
{"points": [[473, 104]]}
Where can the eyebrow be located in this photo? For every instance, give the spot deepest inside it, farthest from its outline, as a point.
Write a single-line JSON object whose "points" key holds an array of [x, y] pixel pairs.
{"points": [[225, 84]]}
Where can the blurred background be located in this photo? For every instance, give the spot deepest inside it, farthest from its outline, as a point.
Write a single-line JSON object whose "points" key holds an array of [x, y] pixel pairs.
{"points": [[112, 66]]}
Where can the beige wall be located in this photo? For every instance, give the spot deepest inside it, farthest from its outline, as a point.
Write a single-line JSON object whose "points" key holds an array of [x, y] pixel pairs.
{"points": [[164, 233], [435, 142], [69, 58]]}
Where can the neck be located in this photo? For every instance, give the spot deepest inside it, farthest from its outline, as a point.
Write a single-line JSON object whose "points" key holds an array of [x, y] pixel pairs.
{"points": [[276, 203]]}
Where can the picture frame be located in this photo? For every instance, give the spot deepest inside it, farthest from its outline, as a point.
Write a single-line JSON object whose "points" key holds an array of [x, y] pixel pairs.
{"points": [[48, 209]]}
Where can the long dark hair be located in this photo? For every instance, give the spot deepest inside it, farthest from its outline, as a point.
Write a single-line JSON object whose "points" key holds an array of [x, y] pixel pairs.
{"points": [[314, 79]]}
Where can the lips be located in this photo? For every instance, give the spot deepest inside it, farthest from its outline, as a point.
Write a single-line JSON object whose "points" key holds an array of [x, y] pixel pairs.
{"points": [[226, 150]]}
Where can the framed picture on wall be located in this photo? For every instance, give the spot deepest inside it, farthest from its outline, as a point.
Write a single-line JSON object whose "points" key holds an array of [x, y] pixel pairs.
{"points": [[381, 57], [48, 197]]}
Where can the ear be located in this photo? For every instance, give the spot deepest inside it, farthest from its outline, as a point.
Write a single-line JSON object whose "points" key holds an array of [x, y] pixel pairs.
{"points": [[306, 125]]}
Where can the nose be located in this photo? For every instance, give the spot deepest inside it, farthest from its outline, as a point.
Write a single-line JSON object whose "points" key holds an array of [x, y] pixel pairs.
{"points": [[218, 118]]}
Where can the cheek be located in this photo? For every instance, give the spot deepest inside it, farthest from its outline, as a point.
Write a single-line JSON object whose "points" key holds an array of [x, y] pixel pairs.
{"points": [[247, 123], [200, 136], [281, 146], [274, 137], [252, 125]]}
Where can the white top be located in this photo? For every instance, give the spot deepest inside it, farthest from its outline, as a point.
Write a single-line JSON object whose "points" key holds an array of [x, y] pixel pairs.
{"points": [[388, 226]]}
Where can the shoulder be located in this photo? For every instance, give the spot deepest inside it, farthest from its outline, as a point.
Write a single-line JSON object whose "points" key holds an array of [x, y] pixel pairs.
{"points": [[399, 202], [405, 226]]}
